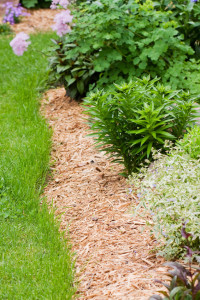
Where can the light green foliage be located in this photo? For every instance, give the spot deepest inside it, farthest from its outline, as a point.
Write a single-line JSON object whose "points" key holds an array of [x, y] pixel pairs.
{"points": [[125, 39], [170, 192], [35, 262], [135, 117], [191, 142]]}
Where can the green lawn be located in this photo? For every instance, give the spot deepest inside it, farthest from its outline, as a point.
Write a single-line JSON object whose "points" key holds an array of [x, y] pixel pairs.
{"points": [[35, 262]]}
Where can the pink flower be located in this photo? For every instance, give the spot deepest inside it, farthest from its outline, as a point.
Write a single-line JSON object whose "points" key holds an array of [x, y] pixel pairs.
{"points": [[63, 3], [61, 20], [20, 44], [54, 4]]}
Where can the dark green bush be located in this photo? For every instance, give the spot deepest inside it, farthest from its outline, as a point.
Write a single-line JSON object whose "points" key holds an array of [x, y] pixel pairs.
{"points": [[136, 117], [123, 39], [36, 3]]}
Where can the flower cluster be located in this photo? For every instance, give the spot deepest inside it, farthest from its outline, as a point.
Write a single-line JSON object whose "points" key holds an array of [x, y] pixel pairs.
{"points": [[61, 22], [19, 44], [13, 13], [62, 19], [56, 3]]}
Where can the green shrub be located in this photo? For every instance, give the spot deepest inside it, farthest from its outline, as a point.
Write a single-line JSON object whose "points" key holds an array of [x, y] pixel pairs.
{"points": [[169, 192], [35, 3], [191, 142], [187, 13], [5, 29], [124, 39], [135, 117]]}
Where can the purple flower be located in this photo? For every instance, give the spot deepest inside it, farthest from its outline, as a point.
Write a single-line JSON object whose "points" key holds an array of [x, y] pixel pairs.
{"points": [[20, 44], [61, 20], [13, 13]]}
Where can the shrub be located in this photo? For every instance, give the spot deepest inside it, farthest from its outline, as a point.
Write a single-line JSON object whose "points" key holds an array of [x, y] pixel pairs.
{"points": [[169, 192], [191, 142], [5, 29], [184, 282], [36, 3], [124, 39], [187, 13], [135, 117]]}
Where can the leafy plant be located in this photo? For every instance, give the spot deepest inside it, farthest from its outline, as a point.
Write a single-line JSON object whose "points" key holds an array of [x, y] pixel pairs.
{"points": [[187, 13], [78, 71], [135, 117], [5, 29], [36, 3], [191, 142], [125, 39], [184, 282], [169, 192]]}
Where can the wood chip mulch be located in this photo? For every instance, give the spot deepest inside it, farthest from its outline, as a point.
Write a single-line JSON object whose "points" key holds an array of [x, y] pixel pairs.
{"points": [[112, 248]]}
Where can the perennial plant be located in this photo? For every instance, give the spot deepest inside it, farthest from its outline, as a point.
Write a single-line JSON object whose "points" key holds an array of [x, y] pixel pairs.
{"points": [[170, 192], [129, 121]]}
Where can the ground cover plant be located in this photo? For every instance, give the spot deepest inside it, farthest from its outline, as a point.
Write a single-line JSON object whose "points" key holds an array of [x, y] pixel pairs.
{"points": [[111, 41], [169, 192], [136, 117], [35, 262]]}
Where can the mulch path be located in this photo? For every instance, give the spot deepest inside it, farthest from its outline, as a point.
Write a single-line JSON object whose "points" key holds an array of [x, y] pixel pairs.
{"points": [[112, 248]]}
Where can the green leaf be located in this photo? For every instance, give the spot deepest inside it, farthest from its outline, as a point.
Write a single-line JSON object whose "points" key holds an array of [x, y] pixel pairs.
{"points": [[149, 149], [166, 134], [80, 86], [69, 80], [145, 139]]}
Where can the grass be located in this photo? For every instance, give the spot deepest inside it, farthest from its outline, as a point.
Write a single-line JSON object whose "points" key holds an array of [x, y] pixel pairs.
{"points": [[35, 262]]}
